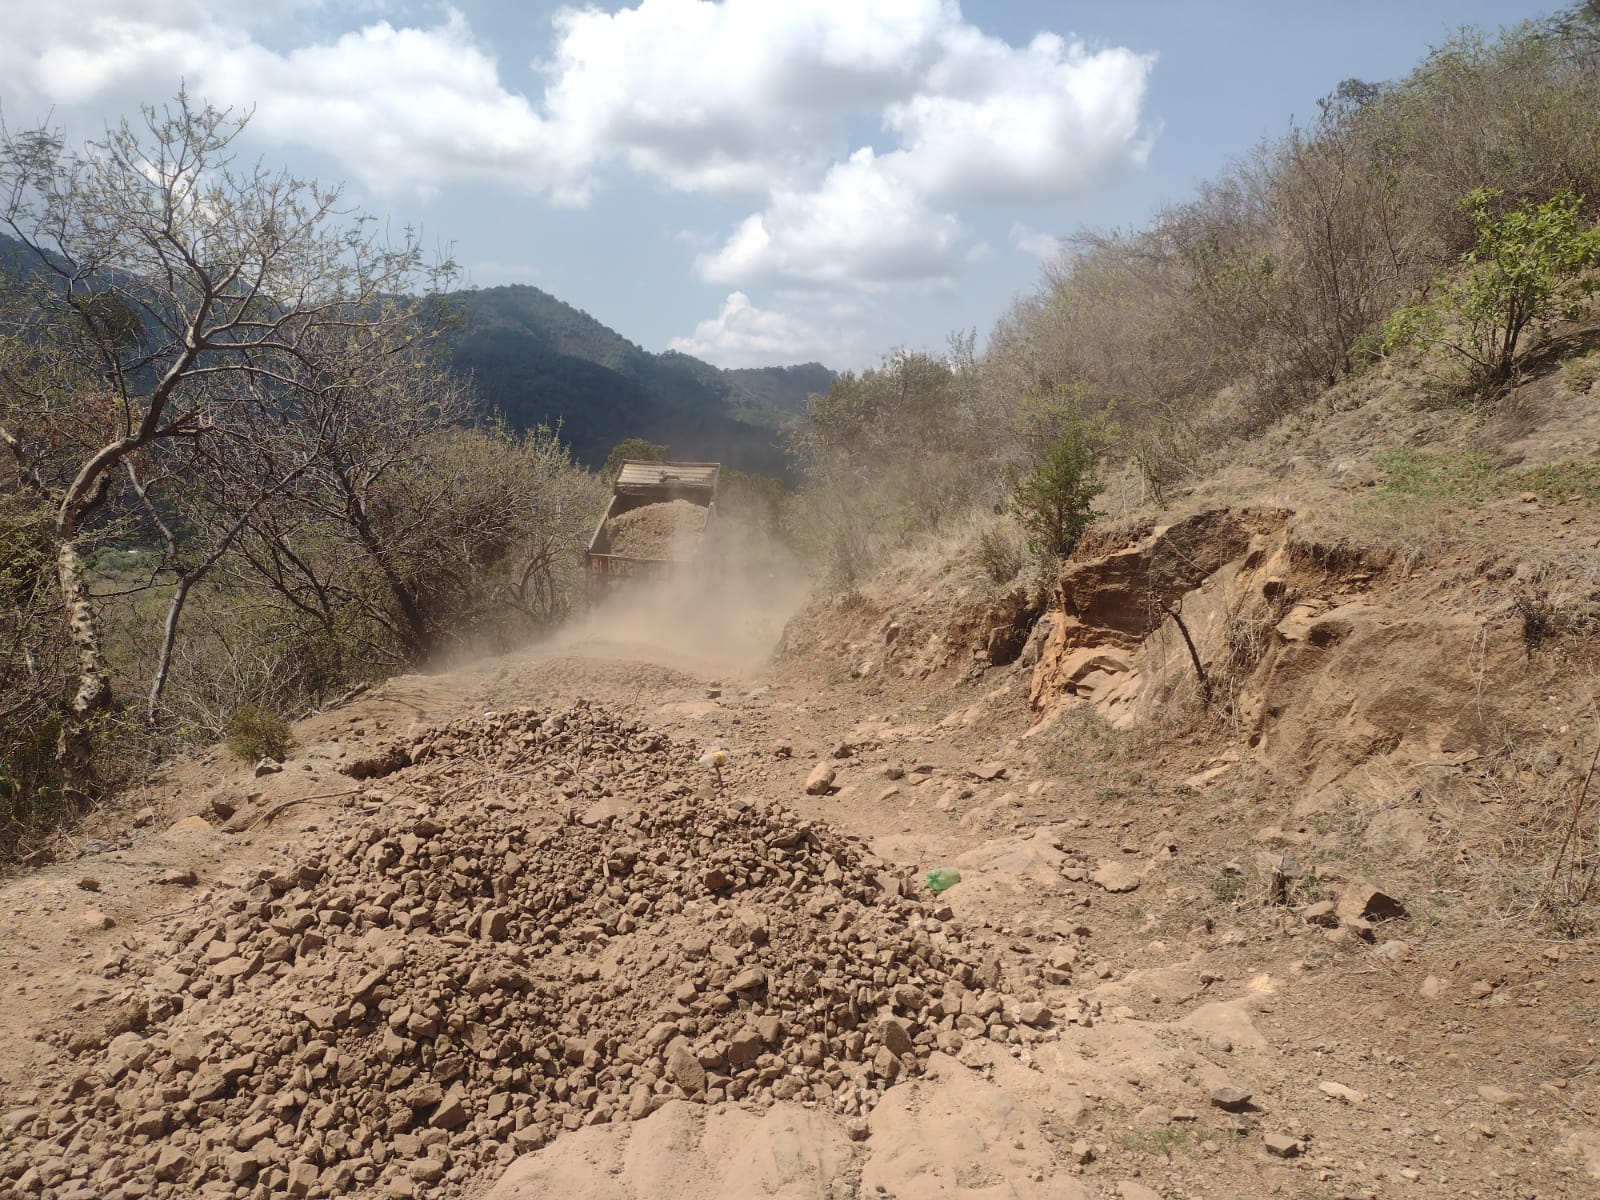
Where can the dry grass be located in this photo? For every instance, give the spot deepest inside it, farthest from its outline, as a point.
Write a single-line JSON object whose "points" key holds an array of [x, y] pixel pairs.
{"points": [[1578, 375], [1529, 853]]}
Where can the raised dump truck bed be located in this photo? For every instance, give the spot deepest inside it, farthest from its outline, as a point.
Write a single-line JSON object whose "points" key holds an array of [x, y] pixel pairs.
{"points": [[656, 523]]}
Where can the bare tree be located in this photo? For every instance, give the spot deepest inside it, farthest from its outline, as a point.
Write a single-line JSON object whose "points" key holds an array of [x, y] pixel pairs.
{"points": [[170, 285]]}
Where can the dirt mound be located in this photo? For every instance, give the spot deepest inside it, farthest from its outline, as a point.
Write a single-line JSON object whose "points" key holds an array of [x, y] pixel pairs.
{"points": [[668, 529], [572, 936]]}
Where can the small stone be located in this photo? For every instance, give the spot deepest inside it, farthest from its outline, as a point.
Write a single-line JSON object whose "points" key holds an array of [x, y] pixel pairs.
{"points": [[1324, 913], [171, 1163], [1082, 1152], [684, 1069], [1362, 901], [426, 1170], [1115, 877], [858, 1129], [1339, 1092], [1035, 1014], [89, 883], [1229, 1098], [268, 766], [1490, 1094], [1281, 1145], [820, 781], [990, 771], [895, 1036], [452, 1111], [1481, 989], [1433, 987], [93, 918]]}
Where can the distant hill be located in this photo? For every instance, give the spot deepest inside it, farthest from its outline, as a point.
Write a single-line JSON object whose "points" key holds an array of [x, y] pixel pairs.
{"points": [[536, 359]]}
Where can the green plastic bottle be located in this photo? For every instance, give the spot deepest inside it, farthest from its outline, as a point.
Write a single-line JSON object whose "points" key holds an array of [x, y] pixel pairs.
{"points": [[942, 879]]}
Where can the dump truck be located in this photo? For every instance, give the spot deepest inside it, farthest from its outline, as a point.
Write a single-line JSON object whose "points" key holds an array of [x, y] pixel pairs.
{"points": [[656, 525]]}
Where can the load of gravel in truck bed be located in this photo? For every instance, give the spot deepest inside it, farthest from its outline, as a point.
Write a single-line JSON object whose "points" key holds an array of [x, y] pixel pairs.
{"points": [[667, 529]]}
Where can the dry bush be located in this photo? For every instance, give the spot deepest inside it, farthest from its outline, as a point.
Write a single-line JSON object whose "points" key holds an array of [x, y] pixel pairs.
{"points": [[1578, 375], [892, 453], [256, 732], [1002, 551]]}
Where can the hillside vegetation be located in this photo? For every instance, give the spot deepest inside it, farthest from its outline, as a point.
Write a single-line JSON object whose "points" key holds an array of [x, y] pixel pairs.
{"points": [[238, 476], [536, 361], [1444, 221]]}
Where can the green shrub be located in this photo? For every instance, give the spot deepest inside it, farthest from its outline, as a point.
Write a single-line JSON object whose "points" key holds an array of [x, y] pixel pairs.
{"points": [[256, 732], [1526, 269], [1055, 500]]}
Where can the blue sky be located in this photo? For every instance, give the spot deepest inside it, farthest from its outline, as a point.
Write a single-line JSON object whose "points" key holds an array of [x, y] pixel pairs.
{"points": [[751, 181]]}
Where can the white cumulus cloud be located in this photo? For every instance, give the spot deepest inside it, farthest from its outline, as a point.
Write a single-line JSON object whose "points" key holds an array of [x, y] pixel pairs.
{"points": [[858, 135], [1043, 246], [861, 226], [742, 335]]}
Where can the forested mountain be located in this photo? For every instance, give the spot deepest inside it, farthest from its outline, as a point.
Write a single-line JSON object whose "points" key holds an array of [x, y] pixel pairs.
{"points": [[538, 360]]}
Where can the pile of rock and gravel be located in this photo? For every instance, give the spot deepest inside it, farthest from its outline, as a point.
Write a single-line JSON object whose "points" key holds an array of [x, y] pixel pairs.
{"points": [[666, 529], [549, 920]]}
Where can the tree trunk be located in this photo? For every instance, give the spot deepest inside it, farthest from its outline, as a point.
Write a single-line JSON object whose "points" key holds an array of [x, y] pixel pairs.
{"points": [[74, 752], [417, 633], [169, 635]]}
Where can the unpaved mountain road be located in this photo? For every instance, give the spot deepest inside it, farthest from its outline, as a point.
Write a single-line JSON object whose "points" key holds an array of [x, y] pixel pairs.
{"points": [[1433, 1060]]}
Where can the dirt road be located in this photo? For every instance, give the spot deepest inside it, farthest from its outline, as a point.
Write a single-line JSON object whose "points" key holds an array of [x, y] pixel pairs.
{"points": [[1097, 1009]]}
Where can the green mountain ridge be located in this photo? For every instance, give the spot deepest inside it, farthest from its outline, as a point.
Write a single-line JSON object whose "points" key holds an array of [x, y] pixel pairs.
{"points": [[538, 360]]}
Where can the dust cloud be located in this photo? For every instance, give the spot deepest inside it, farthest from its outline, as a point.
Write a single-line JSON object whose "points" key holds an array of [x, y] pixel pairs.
{"points": [[721, 613]]}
